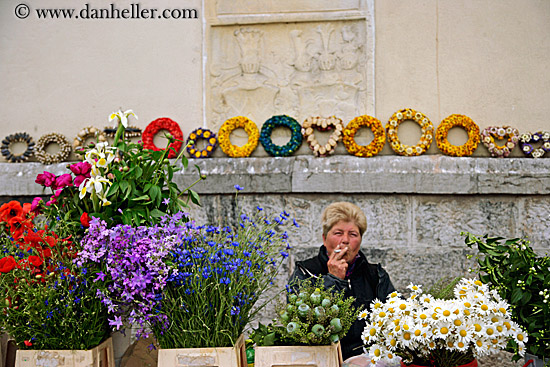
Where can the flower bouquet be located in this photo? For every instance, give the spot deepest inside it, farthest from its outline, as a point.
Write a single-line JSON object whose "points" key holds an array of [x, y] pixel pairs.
{"points": [[310, 325], [522, 278], [427, 331], [193, 286], [314, 316], [48, 301], [118, 183]]}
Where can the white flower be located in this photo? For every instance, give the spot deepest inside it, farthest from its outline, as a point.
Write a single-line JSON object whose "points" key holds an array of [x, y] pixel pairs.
{"points": [[122, 116], [363, 315]]}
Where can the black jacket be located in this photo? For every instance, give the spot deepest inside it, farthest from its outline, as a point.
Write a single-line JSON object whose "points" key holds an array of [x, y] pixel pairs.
{"points": [[367, 282]]}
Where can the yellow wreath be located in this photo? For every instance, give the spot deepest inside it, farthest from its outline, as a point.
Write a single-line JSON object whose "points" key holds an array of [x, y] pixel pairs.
{"points": [[465, 150], [361, 150], [226, 130], [425, 140]]}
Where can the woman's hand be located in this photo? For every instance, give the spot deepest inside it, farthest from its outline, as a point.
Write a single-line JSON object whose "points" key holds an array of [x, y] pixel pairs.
{"points": [[337, 265]]}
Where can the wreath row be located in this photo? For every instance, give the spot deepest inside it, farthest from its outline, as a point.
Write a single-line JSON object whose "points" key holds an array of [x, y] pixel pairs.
{"points": [[306, 131]]}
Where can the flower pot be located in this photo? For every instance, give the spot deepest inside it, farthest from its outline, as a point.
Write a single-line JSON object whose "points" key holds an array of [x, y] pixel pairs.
{"points": [[100, 356], [532, 360], [310, 356], [204, 357], [471, 364]]}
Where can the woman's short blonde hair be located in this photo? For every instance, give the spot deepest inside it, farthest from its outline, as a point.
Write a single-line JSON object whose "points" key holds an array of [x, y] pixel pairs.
{"points": [[343, 211]]}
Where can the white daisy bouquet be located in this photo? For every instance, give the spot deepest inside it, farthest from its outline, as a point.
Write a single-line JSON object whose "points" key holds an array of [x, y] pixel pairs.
{"points": [[427, 331]]}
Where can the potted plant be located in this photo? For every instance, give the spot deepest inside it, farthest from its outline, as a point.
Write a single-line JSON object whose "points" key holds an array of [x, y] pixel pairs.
{"points": [[195, 286], [308, 328], [427, 331], [521, 277], [48, 304]]}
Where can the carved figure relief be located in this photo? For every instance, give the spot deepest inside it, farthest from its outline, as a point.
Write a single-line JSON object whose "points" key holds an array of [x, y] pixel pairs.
{"points": [[300, 69]]}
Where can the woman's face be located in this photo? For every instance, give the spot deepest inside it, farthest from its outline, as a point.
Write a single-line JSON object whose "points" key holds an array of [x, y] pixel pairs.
{"points": [[343, 235]]}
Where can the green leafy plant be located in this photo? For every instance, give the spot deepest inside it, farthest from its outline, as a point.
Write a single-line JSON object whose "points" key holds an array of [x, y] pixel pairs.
{"points": [[314, 316], [122, 183], [521, 277]]}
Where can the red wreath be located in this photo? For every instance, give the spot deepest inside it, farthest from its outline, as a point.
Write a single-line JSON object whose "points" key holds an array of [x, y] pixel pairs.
{"points": [[163, 123]]}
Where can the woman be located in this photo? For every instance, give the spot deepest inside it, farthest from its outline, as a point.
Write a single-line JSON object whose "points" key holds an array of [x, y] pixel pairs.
{"points": [[341, 265]]}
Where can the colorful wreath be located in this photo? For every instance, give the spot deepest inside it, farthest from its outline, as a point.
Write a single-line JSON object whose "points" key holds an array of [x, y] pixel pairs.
{"points": [[163, 123], [489, 134], [526, 140], [425, 139], [295, 139], [211, 143], [129, 132], [45, 140], [361, 150], [87, 132], [17, 138], [465, 150], [226, 130], [322, 124]]}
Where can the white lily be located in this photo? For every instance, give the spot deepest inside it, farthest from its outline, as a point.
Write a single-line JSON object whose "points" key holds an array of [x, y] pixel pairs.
{"points": [[122, 116], [93, 185]]}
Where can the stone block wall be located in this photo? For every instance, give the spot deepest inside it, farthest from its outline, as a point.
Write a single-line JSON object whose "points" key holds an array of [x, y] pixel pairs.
{"points": [[416, 207]]}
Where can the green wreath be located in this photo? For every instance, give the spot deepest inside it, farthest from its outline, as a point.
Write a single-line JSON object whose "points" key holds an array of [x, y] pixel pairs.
{"points": [[290, 147]]}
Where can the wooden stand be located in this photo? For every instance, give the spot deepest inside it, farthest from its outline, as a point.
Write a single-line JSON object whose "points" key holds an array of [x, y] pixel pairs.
{"points": [[299, 356], [204, 357], [100, 356]]}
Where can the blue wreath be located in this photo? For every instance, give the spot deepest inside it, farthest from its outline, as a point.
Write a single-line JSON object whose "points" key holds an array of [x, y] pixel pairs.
{"points": [[290, 147]]}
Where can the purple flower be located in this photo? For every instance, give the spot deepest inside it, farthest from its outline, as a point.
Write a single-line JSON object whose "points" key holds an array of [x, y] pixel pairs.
{"points": [[100, 276], [46, 179], [116, 322], [166, 201]]}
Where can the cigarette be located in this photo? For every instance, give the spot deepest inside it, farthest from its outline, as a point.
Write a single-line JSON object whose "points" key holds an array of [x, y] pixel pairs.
{"points": [[337, 250]]}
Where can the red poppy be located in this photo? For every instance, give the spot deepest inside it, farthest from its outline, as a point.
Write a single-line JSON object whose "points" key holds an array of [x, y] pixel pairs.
{"points": [[18, 226], [10, 210], [27, 343], [7, 264], [35, 260], [85, 220]]}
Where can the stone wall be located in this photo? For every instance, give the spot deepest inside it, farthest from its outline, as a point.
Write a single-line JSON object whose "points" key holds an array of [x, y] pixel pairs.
{"points": [[416, 207]]}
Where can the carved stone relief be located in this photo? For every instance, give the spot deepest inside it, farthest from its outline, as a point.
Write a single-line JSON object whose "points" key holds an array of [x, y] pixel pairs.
{"points": [[298, 69]]}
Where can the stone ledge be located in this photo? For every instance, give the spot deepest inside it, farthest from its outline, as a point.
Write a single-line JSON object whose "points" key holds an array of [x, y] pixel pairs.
{"points": [[431, 174]]}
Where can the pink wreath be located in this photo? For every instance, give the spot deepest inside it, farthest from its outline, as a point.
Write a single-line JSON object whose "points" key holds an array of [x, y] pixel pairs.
{"points": [[163, 123]]}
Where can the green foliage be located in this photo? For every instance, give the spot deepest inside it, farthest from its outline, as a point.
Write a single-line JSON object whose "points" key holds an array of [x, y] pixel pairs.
{"points": [[314, 316], [520, 276]]}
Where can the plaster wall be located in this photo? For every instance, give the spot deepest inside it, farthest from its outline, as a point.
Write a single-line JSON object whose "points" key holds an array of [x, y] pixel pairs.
{"points": [[485, 59]]}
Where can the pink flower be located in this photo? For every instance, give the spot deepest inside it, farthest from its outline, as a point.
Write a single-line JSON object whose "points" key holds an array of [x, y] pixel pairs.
{"points": [[45, 179], [52, 200], [81, 168], [63, 181], [35, 205], [82, 172]]}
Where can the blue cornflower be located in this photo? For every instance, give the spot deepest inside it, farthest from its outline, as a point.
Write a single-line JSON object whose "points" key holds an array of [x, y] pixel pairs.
{"points": [[295, 223], [259, 208], [284, 254], [235, 310], [239, 188], [225, 280]]}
